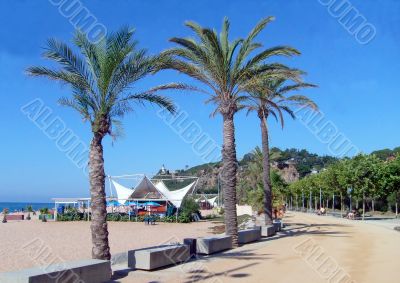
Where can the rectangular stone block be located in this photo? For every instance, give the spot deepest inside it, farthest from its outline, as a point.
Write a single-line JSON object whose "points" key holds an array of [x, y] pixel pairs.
{"points": [[88, 271], [268, 231], [278, 225], [192, 243], [159, 256], [249, 235], [119, 258], [213, 244]]}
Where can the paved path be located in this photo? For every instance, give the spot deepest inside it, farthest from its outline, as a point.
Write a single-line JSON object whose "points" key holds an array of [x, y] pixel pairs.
{"points": [[312, 249]]}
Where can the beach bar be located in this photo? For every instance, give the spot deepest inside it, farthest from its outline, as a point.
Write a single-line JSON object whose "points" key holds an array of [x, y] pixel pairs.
{"points": [[148, 197]]}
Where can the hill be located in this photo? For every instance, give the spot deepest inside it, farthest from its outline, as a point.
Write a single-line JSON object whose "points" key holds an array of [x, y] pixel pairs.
{"points": [[386, 153], [292, 164], [302, 161]]}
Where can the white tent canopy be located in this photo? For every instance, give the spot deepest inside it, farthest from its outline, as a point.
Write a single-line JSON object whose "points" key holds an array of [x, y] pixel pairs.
{"points": [[176, 196], [123, 193], [212, 201], [147, 190]]}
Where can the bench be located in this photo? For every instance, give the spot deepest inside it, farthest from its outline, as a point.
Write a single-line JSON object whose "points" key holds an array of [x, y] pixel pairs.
{"points": [[15, 217], [249, 235], [149, 219], [213, 244], [88, 271], [159, 256], [268, 231]]}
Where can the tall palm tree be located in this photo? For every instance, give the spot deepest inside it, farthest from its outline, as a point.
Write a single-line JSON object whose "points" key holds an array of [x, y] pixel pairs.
{"points": [[268, 97], [30, 210], [100, 79], [226, 69]]}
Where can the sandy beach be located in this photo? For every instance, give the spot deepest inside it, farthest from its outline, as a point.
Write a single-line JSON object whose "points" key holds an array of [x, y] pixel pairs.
{"points": [[25, 244], [359, 252]]}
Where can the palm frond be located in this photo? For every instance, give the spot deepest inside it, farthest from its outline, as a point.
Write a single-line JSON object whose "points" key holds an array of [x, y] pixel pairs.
{"points": [[267, 93], [293, 87], [274, 51], [61, 53], [101, 76], [302, 100], [161, 101]]}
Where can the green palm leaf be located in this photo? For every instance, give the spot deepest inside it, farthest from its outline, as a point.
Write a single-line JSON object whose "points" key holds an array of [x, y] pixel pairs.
{"points": [[101, 75]]}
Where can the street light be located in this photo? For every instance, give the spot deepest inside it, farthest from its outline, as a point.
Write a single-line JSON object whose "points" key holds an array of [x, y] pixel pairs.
{"points": [[320, 198], [349, 191]]}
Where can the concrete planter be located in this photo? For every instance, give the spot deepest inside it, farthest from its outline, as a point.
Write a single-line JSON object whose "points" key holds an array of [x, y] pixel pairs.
{"points": [[249, 235], [214, 244], [88, 271], [157, 257], [268, 231]]}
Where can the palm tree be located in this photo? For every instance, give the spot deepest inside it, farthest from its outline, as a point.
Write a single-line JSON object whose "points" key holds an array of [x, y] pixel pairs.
{"points": [[267, 97], [100, 80], [44, 211], [29, 209], [226, 69], [5, 212]]}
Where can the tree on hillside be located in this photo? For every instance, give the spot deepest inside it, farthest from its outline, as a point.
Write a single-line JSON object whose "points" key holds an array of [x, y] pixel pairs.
{"points": [[383, 154], [250, 189]]}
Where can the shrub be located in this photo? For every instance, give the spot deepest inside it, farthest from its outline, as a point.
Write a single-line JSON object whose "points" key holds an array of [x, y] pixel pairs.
{"points": [[184, 218], [113, 217], [189, 206], [71, 216], [168, 219], [210, 216], [44, 211]]}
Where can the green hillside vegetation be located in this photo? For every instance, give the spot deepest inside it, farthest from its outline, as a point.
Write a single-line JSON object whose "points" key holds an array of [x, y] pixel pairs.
{"points": [[305, 161], [374, 179], [384, 154]]}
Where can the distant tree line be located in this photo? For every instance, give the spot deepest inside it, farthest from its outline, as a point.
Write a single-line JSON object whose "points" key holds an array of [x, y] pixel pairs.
{"points": [[364, 181]]}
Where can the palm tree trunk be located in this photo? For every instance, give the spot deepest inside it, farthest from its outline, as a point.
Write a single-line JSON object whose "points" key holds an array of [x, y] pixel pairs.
{"points": [[100, 249], [266, 172], [229, 168]]}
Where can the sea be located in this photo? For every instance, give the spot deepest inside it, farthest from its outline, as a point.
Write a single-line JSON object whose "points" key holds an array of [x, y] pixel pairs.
{"points": [[18, 206]]}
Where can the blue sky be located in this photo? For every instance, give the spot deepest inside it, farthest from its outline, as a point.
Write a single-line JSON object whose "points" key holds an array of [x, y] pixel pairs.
{"points": [[357, 86]]}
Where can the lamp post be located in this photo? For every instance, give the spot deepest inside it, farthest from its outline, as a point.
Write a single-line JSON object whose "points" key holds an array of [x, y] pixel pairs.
{"points": [[349, 191], [320, 198]]}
